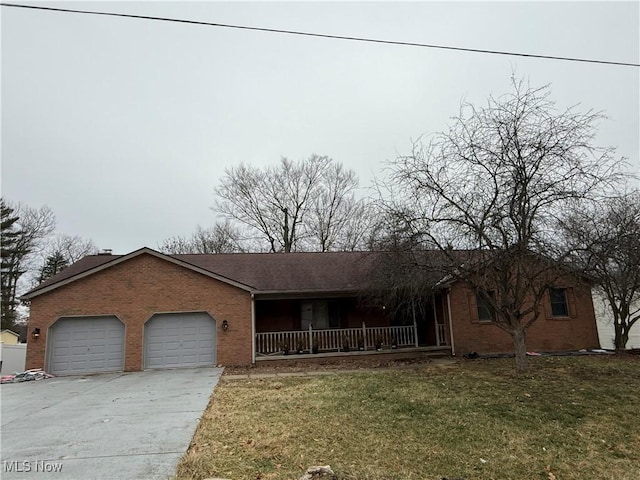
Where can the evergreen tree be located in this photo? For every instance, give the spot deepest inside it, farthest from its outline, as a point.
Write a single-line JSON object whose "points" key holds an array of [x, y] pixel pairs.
{"points": [[53, 265], [9, 241]]}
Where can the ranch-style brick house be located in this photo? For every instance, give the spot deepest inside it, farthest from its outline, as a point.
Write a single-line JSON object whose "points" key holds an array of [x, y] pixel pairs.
{"points": [[149, 310]]}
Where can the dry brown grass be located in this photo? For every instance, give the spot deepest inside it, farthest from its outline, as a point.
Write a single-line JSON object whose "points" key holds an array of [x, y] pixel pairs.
{"points": [[571, 418]]}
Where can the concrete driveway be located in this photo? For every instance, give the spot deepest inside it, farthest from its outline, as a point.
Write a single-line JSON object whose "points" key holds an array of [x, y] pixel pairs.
{"points": [[121, 425]]}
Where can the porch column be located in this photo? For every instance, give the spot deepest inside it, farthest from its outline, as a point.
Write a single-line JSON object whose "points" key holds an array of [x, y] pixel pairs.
{"points": [[435, 319], [453, 347], [253, 329]]}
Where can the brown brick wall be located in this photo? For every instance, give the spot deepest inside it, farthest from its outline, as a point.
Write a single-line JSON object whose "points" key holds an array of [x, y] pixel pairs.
{"points": [[546, 334], [135, 290]]}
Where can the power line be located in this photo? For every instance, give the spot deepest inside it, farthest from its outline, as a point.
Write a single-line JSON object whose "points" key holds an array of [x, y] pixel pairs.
{"points": [[322, 35]]}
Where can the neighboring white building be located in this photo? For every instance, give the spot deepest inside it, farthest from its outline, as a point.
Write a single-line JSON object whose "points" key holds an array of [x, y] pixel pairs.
{"points": [[12, 358], [604, 320]]}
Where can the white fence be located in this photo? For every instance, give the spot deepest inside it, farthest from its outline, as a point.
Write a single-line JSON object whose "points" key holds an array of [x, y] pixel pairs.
{"points": [[335, 339], [13, 358]]}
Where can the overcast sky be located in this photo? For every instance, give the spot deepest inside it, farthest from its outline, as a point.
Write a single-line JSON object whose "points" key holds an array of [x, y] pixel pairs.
{"points": [[123, 127]]}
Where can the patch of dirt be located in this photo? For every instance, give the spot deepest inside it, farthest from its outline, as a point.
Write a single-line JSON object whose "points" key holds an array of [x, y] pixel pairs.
{"points": [[322, 365]]}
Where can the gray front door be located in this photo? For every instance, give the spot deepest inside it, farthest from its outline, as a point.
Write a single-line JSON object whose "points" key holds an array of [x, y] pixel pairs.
{"points": [[79, 345], [180, 340]]}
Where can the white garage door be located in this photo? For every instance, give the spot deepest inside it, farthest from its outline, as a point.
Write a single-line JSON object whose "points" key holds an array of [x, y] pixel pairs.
{"points": [[180, 340], [81, 345]]}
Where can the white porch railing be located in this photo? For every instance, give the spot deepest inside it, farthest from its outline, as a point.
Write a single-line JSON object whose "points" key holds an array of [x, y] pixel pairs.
{"points": [[335, 339]]}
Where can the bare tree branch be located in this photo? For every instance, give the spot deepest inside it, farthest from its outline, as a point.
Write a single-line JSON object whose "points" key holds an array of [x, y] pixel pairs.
{"points": [[31, 229], [221, 238], [606, 242], [489, 194], [305, 205]]}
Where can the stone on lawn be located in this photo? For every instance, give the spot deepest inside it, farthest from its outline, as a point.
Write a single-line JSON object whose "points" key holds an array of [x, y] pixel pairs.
{"points": [[319, 472]]}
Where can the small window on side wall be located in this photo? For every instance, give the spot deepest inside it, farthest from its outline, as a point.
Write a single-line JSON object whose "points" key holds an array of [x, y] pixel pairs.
{"points": [[485, 301], [559, 306]]}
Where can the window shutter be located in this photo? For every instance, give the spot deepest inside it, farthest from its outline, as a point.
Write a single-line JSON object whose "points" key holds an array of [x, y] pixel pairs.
{"points": [[473, 306]]}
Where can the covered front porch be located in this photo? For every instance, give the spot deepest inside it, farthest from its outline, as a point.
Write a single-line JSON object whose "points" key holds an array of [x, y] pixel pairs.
{"points": [[293, 328]]}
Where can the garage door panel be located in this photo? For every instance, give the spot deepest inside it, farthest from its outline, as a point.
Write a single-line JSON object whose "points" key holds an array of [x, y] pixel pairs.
{"points": [[155, 347], [206, 358], [81, 345], [154, 359], [114, 365], [180, 340], [96, 364], [190, 359], [172, 347], [97, 352]]}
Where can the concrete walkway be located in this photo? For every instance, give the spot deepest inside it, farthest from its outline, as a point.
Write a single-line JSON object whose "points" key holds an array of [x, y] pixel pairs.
{"points": [[120, 425], [437, 362]]}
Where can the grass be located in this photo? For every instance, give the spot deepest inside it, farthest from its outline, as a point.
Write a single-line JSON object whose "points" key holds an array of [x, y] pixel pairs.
{"points": [[570, 418]]}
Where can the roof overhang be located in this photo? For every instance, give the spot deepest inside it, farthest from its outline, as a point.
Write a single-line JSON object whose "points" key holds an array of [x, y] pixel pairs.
{"points": [[11, 332], [304, 294], [118, 260]]}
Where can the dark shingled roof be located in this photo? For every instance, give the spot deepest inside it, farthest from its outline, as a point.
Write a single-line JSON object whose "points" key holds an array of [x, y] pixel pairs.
{"points": [[289, 272], [82, 265], [261, 272]]}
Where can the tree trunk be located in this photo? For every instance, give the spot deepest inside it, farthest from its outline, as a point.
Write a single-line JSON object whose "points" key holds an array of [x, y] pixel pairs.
{"points": [[522, 364], [621, 337], [287, 241]]}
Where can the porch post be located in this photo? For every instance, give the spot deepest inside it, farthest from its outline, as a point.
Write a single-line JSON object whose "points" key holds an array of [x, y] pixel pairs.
{"points": [[453, 347], [415, 325], [253, 329], [435, 319], [310, 338], [364, 335]]}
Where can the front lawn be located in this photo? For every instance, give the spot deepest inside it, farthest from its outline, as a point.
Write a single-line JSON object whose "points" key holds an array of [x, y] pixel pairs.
{"points": [[570, 418]]}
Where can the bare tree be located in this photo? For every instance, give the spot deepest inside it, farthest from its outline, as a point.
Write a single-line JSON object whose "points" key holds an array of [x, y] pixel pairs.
{"points": [[357, 231], [606, 239], [304, 205], [402, 277], [333, 205], [59, 252], [273, 202], [177, 245], [71, 247], [221, 238], [488, 194], [32, 227]]}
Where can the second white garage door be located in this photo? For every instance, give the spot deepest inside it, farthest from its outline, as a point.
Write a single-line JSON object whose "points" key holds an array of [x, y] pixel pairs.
{"points": [[180, 340]]}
